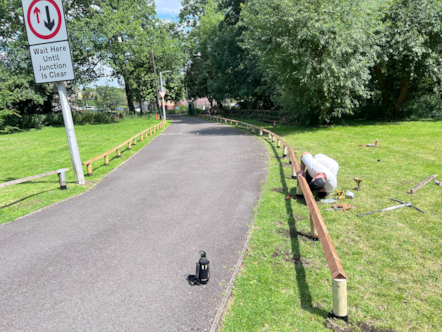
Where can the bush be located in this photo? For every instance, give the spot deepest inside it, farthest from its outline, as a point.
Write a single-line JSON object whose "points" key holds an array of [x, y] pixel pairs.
{"points": [[424, 107], [37, 121]]}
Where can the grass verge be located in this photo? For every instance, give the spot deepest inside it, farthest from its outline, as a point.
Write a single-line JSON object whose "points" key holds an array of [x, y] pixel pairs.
{"points": [[392, 259], [39, 151]]}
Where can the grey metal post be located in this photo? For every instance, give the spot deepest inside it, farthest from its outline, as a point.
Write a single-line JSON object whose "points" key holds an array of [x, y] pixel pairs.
{"points": [[70, 132], [162, 98]]}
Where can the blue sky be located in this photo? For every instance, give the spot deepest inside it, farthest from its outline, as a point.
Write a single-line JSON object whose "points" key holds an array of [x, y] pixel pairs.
{"points": [[166, 9]]}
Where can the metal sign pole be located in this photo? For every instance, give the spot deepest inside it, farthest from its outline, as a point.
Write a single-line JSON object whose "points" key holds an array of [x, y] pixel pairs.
{"points": [[70, 132], [164, 111]]}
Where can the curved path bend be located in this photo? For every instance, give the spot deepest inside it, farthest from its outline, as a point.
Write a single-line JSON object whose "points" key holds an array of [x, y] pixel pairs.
{"points": [[116, 258]]}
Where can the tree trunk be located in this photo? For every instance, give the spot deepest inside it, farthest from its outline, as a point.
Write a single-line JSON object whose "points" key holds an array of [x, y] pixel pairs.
{"points": [[129, 96], [405, 86], [381, 80], [47, 105], [141, 98]]}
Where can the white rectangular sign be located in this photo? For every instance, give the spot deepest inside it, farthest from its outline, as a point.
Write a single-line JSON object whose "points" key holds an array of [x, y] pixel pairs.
{"points": [[52, 62], [45, 21]]}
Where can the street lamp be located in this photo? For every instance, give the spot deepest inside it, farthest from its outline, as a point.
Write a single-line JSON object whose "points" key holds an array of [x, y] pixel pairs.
{"points": [[161, 83]]}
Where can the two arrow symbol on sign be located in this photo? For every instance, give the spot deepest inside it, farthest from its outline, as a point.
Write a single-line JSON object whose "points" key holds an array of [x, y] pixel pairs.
{"points": [[48, 24]]}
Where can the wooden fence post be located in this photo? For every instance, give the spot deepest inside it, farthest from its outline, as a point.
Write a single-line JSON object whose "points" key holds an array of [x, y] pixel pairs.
{"points": [[118, 153], [273, 138], [129, 146], [340, 299], [89, 169], [284, 152], [135, 141], [141, 137], [150, 131], [270, 136], [279, 143], [313, 231], [106, 160], [260, 132]]}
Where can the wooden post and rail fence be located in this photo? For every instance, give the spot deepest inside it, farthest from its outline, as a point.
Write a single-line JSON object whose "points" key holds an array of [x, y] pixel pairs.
{"points": [[61, 172], [132, 141], [317, 224]]}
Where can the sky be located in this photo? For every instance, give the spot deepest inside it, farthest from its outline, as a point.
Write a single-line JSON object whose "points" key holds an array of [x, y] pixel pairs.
{"points": [[166, 9]]}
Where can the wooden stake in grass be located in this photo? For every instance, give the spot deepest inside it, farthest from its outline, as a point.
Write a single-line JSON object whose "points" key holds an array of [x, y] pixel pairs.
{"points": [[420, 185], [340, 299], [89, 169], [313, 231]]}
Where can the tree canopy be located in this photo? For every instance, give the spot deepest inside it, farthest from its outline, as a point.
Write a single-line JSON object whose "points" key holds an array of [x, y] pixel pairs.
{"points": [[112, 39], [316, 60]]}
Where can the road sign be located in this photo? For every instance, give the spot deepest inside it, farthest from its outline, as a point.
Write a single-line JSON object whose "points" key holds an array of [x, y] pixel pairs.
{"points": [[48, 44], [162, 93], [52, 62], [44, 20]]}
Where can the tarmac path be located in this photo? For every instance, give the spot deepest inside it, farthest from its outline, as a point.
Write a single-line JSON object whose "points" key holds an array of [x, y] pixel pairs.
{"points": [[116, 258]]}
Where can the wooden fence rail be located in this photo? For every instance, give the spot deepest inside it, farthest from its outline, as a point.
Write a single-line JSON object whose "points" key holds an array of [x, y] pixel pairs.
{"points": [[317, 224], [269, 116], [131, 141], [60, 172]]}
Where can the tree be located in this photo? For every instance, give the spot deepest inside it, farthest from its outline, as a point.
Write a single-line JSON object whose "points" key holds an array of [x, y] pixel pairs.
{"points": [[109, 97], [410, 47], [199, 72], [319, 55], [7, 100]]}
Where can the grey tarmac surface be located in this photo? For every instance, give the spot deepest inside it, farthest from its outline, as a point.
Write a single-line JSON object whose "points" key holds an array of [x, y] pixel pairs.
{"points": [[116, 258]]}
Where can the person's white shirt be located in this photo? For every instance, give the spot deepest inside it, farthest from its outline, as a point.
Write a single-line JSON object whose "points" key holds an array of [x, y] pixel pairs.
{"points": [[323, 164]]}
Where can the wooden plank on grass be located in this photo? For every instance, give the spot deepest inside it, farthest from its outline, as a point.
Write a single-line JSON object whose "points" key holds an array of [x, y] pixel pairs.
{"points": [[420, 185]]}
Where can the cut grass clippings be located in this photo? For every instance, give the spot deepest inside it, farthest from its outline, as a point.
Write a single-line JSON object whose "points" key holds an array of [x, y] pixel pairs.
{"points": [[39, 151], [392, 259]]}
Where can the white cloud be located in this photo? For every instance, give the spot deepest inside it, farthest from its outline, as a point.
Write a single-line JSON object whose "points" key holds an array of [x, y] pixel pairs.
{"points": [[168, 7]]}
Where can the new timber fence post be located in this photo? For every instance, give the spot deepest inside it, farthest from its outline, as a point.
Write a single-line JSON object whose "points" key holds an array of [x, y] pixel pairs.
{"points": [[340, 299], [313, 231]]}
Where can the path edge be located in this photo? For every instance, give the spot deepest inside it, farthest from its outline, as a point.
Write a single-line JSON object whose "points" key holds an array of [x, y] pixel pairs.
{"points": [[227, 294]]}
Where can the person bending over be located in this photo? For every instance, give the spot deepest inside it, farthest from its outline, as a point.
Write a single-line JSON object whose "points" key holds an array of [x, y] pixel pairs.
{"points": [[322, 172]]}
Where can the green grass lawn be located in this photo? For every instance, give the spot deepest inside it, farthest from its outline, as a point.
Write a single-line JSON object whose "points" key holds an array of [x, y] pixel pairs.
{"points": [[392, 259], [35, 152]]}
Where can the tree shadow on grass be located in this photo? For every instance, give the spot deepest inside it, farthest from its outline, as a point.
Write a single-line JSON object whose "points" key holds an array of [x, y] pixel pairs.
{"points": [[301, 279]]}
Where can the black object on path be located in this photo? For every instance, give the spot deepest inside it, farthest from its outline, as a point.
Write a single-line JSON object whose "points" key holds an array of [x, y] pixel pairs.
{"points": [[202, 273], [115, 258]]}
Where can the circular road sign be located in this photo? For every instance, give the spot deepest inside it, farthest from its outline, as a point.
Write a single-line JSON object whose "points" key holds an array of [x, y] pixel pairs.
{"points": [[44, 18]]}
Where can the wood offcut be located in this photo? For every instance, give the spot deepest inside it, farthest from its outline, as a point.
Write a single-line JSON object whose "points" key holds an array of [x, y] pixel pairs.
{"points": [[420, 185]]}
